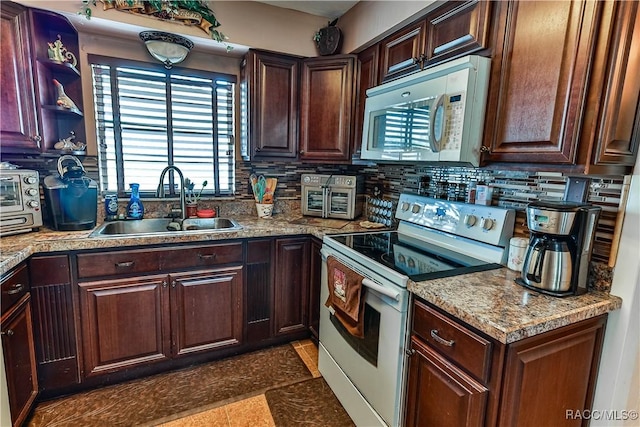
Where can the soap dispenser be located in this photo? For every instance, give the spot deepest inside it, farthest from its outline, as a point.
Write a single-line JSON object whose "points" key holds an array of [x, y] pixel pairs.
{"points": [[135, 210]]}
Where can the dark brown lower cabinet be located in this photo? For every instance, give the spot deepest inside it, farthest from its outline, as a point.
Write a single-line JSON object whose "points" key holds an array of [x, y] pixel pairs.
{"points": [[440, 393], [459, 377], [54, 322], [19, 359], [136, 321], [125, 323], [207, 310], [291, 286]]}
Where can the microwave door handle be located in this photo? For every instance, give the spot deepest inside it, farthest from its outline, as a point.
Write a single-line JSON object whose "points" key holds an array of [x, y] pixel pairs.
{"points": [[438, 121], [325, 202]]}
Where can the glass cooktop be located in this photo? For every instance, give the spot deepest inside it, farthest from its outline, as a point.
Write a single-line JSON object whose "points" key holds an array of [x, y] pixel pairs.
{"points": [[417, 259]]}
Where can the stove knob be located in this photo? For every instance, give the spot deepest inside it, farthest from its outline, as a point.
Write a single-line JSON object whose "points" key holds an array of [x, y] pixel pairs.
{"points": [[416, 208], [31, 192], [405, 206], [470, 220], [30, 179], [487, 224], [33, 204]]}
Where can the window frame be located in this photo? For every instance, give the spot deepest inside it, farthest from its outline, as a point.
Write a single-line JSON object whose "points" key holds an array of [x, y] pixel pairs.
{"points": [[170, 188]]}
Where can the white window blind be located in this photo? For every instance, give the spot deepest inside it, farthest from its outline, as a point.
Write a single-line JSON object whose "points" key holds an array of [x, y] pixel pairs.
{"points": [[147, 119]]}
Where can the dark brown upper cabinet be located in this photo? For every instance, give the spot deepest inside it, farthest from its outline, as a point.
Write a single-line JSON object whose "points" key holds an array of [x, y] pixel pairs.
{"points": [[19, 127], [538, 80], [612, 113], [326, 108], [454, 29], [270, 95], [295, 108], [400, 53], [367, 78]]}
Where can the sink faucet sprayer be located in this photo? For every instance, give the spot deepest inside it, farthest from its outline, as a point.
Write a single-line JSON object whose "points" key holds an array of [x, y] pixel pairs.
{"points": [[160, 191]]}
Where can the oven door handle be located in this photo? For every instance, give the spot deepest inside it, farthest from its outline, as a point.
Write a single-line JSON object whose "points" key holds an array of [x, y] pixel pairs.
{"points": [[370, 283], [381, 289]]}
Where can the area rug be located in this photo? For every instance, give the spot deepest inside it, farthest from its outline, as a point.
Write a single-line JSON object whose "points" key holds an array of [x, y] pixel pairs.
{"points": [[307, 403], [180, 392]]}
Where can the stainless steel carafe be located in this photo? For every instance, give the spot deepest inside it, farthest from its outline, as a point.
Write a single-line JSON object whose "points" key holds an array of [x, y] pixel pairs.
{"points": [[547, 264], [560, 246]]}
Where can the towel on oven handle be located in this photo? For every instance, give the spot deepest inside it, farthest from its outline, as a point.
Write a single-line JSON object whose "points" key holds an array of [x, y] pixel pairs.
{"points": [[346, 296]]}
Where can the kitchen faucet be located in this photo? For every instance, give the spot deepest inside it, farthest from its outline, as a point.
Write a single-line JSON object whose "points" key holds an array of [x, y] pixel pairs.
{"points": [[160, 191]]}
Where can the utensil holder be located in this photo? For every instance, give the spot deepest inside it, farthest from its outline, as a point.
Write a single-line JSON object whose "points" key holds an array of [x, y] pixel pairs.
{"points": [[264, 210]]}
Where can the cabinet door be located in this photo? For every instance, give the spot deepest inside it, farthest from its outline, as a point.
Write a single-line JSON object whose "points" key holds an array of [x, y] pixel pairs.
{"points": [[207, 310], [19, 125], [402, 52], [125, 323], [367, 78], [547, 375], [538, 80], [457, 28], [54, 321], [616, 88], [441, 394], [315, 282], [291, 285], [327, 100], [271, 83], [19, 360], [259, 294]]}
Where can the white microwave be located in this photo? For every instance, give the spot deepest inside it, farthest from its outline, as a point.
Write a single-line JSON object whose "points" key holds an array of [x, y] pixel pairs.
{"points": [[435, 115]]}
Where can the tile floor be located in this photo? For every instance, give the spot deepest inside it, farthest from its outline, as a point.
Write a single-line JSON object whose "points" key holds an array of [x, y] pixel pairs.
{"points": [[251, 412]]}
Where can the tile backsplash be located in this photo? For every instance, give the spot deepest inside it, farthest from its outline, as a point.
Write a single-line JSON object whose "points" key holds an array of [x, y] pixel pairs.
{"points": [[512, 188]]}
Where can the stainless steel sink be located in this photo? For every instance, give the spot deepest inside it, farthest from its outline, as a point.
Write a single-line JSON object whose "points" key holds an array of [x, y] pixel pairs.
{"points": [[162, 226]]}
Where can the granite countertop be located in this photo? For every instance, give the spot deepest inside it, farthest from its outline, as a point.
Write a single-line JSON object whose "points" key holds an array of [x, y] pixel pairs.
{"points": [[490, 301], [15, 249], [493, 303]]}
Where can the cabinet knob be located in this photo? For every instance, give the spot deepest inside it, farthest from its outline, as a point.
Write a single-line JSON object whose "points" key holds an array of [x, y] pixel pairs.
{"points": [[164, 284], [173, 283], [9, 332], [207, 256], [410, 352], [36, 138]]}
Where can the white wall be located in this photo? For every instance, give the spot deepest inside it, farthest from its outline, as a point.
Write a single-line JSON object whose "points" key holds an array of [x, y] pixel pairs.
{"points": [[618, 386]]}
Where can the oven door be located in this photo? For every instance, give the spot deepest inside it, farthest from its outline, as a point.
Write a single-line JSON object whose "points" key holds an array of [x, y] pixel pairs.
{"points": [[341, 203], [367, 375], [313, 201], [10, 194]]}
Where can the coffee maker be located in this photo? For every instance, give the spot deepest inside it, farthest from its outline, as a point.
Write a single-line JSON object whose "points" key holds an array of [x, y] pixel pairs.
{"points": [[560, 246]]}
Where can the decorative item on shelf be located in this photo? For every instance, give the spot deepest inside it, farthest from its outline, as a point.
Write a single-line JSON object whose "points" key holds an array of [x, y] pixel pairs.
{"points": [[68, 146], [263, 193], [190, 13], [167, 48], [328, 39], [58, 53], [63, 101]]}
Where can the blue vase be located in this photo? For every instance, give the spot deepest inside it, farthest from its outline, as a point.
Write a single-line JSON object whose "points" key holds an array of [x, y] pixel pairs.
{"points": [[135, 209]]}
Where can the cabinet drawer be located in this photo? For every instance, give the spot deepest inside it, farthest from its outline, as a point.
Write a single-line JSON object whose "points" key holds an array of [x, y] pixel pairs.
{"points": [[119, 262], [451, 339], [202, 256], [14, 285]]}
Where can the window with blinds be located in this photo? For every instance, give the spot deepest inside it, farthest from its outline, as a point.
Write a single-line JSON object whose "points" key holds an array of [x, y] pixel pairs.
{"points": [[148, 118]]}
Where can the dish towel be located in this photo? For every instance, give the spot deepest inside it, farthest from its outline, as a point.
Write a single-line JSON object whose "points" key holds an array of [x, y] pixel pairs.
{"points": [[346, 296]]}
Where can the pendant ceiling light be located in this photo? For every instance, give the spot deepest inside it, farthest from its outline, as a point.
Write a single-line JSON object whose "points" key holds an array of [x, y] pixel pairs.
{"points": [[167, 48]]}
